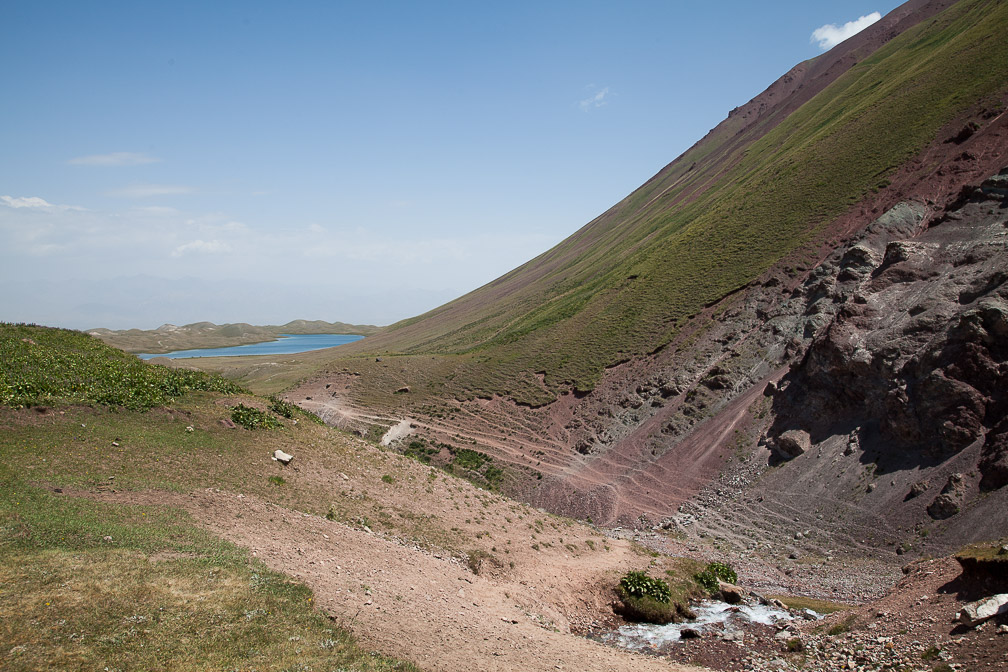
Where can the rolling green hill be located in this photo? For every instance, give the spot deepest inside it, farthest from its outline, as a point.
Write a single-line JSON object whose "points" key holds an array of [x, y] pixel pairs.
{"points": [[766, 182], [90, 584]]}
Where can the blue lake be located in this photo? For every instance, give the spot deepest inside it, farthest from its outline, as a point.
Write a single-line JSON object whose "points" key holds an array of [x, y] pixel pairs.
{"points": [[288, 344]]}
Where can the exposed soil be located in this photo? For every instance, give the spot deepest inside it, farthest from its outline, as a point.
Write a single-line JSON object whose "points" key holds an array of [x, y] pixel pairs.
{"points": [[434, 610], [428, 607]]}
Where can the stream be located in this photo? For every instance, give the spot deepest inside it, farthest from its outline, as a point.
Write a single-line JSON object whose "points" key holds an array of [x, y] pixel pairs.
{"points": [[710, 616]]}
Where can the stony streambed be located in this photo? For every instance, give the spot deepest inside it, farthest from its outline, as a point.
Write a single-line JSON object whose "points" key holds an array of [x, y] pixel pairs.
{"points": [[722, 617]]}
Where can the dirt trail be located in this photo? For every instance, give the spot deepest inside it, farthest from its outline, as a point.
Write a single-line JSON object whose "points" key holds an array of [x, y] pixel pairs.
{"points": [[416, 605]]}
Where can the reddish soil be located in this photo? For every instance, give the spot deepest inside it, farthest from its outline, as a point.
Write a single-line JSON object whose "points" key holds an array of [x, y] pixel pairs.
{"points": [[430, 607]]}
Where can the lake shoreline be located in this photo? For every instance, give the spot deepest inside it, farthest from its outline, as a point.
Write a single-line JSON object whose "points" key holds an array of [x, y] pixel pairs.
{"points": [[283, 344]]}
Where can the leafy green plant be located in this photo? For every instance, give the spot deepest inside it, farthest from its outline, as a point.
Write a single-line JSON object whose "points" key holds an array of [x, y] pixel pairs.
{"points": [[713, 573], [645, 598], [639, 584], [277, 480], [387, 478], [420, 451], [253, 418], [283, 408]]}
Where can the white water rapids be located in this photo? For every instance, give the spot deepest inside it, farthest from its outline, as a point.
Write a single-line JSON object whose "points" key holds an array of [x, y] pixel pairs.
{"points": [[709, 615]]}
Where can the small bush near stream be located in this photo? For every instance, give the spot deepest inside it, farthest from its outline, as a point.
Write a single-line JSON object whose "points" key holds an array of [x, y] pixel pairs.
{"points": [[646, 599], [715, 571]]}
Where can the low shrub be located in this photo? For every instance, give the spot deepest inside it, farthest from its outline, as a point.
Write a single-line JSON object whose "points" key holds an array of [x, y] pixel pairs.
{"points": [[842, 626], [639, 584], [283, 408], [253, 418], [645, 598], [479, 559], [713, 573]]}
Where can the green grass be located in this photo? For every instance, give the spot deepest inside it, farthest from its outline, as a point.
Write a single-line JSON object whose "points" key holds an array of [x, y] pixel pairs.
{"points": [[42, 365], [627, 282], [253, 418], [818, 606], [843, 625], [86, 585], [666, 599]]}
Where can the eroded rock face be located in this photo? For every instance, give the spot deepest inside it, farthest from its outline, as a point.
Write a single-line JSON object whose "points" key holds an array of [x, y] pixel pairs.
{"points": [[915, 343], [794, 442]]}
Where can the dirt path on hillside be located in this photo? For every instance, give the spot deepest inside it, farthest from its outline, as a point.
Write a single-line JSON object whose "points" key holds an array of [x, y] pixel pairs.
{"points": [[412, 604]]}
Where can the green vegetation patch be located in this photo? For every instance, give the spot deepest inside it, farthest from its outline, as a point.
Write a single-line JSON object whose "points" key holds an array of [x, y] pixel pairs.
{"points": [[713, 573], [284, 408], [466, 458], [819, 606], [476, 466], [252, 418], [420, 451], [43, 365], [647, 599], [88, 585], [841, 626]]}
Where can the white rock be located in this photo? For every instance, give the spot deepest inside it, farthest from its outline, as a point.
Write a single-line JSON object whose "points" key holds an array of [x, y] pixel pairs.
{"points": [[977, 612], [282, 457]]}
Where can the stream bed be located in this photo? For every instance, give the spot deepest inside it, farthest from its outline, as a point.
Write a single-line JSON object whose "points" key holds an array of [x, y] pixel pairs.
{"points": [[711, 616]]}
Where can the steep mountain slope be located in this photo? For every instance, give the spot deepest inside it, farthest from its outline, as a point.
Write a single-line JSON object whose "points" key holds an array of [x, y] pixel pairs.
{"points": [[771, 178], [737, 345]]}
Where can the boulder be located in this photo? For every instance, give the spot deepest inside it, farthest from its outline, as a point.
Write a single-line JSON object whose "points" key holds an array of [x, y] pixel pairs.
{"points": [[730, 593], [943, 506], [953, 484], [282, 457], [689, 633], [977, 612], [794, 442]]}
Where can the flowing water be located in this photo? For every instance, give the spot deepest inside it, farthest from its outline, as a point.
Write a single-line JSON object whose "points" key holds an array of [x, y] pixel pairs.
{"points": [[710, 615]]}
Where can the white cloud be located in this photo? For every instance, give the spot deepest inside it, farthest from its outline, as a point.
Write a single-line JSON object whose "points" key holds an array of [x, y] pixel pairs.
{"points": [[35, 203], [830, 35], [114, 159], [598, 99], [201, 247], [149, 190]]}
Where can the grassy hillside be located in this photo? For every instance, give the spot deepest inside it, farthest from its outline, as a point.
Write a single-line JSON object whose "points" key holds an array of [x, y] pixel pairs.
{"points": [[90, 584], [714, 219], [43, 365]]}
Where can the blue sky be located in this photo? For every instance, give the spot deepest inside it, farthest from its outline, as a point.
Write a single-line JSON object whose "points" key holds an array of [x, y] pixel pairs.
{"points": [[363, 162]]}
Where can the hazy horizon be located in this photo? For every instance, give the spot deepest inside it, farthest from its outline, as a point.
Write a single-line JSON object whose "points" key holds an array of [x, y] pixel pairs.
{"points": [[250, 163]]}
